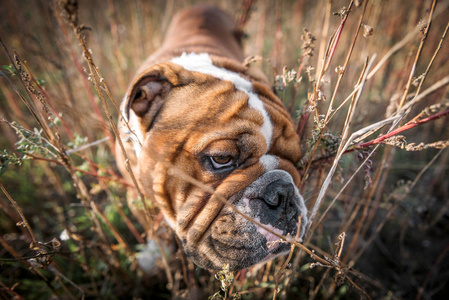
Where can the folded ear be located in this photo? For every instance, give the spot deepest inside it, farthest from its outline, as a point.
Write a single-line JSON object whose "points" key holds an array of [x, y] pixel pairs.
{"points": [[145, 98], [148, 91]]}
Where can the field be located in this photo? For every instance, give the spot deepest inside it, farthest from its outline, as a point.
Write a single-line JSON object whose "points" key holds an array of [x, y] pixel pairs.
{"points": [[365, 81]]}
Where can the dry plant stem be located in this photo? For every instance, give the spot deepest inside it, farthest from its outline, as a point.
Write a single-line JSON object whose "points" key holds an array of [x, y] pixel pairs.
{"points": [[30, 106], [398, 46], [365, 201], [114, 231], [314, 293], [60, 278], [284, 265], [403, 128], [44, 93], [245, 15], [391, 210], [337, 37], [433, 270], [339, 154], [380, 179], [93, 174], [443, 81], [57, 143], [24, 222], [86, 146], [383, 170], [324, 33], [368, 198], [267, 271], [30, 86], [418, 54], [351, 110], [346, 185], [19, 129], [436, 86], [403, 42], [437, 50], [81, 71], [329, 53], [56, 271], [8, 292], [345, 65], [30, 267], [108, 93], [330, 50], [83, 193], [337, 85], [125, 218], [116, 40], [94, 70], [94, 167]]}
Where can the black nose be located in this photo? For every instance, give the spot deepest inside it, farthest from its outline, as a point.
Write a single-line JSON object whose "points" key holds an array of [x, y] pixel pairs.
{"points": [[278, 192]]}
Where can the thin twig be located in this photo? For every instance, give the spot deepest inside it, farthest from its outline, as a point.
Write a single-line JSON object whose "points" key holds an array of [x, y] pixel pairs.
{"points": [[24, 222], [339, 154], [418, 54]]}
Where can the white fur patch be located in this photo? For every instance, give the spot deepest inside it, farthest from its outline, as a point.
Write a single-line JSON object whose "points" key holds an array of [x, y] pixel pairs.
{"points": [[269, 162], [134, 125], [202, 63], [136, 136]]}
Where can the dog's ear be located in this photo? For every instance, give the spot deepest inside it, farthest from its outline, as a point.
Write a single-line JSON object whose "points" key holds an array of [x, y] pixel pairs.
{"points": [[145, 98], [147, 93]]}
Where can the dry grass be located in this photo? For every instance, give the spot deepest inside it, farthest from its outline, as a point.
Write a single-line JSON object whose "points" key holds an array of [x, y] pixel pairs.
{"points": [[366, 82]]}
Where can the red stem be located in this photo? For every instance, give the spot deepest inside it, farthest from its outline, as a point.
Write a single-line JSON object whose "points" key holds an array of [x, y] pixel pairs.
{"points": [[402, 129]]}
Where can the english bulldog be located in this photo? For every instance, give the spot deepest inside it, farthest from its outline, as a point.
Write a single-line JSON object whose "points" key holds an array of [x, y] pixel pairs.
{"points": [[198, 117]]}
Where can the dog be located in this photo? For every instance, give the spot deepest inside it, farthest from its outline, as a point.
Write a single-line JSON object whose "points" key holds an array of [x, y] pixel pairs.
{"points": [[203, 128]]}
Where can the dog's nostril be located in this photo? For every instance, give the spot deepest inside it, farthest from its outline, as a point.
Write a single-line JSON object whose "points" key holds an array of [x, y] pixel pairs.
{"points": [[278, 192]]}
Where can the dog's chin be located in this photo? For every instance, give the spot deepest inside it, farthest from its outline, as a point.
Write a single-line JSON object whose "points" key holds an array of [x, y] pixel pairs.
{"points": [[215, 254]]}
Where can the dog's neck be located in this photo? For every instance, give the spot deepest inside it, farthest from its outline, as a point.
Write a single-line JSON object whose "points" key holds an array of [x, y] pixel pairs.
{"points": [[204, 30]]}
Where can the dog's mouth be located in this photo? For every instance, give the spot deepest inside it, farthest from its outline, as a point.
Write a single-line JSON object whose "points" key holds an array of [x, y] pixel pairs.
{"points": [[231, 252], [238, 253], [263, 241]]}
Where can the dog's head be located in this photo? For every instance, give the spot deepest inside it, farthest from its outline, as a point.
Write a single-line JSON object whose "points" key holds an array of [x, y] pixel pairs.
{"points": [[206, 135]]}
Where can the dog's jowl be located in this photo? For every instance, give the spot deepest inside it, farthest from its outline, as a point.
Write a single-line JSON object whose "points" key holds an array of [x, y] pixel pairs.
{"points": [[205, 128]]}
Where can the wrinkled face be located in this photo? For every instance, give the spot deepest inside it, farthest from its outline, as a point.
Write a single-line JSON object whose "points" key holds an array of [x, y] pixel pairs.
{"points": [[209, 135]]}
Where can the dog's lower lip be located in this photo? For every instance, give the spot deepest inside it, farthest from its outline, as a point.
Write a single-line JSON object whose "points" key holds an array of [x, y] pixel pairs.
{"points": [[224, 245], [233, 252]]}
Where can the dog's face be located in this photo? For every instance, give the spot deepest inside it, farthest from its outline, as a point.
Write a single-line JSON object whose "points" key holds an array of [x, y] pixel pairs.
{"points": [[208, 134]]}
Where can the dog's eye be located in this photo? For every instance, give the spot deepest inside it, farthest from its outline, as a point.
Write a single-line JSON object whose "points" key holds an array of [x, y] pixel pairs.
{"points": [[219, 162]]}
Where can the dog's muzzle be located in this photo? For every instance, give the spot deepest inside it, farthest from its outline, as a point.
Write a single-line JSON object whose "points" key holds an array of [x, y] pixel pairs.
{"points": [[272, 200]]}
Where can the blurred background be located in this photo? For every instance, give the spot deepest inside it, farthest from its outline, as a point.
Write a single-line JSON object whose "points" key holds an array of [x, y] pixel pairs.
{"points": [[79, 240]]}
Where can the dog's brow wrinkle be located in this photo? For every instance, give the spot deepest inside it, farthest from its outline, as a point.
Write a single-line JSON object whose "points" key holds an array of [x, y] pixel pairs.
{"points": [[203, 63]]}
